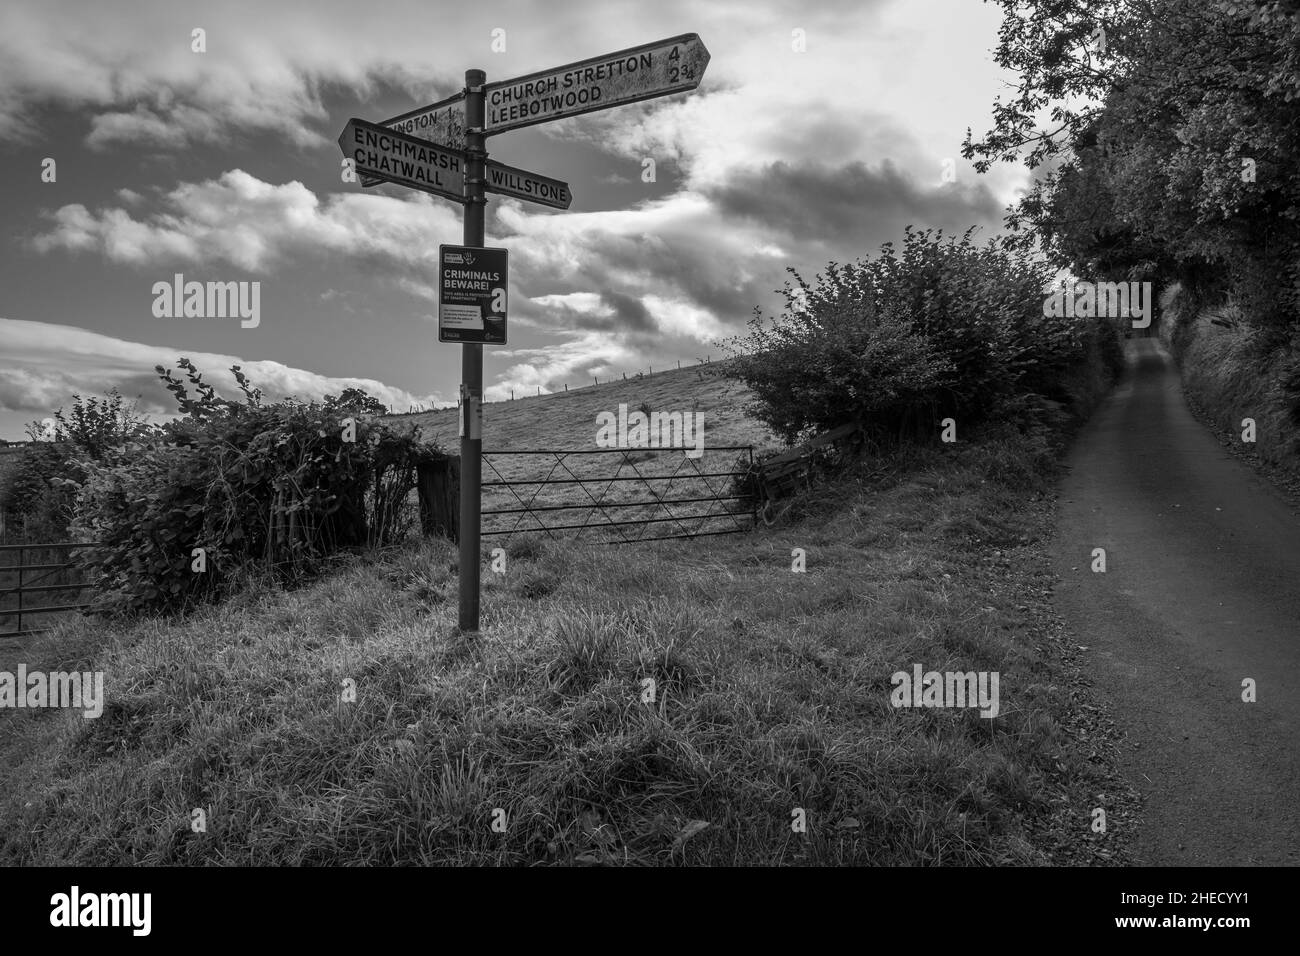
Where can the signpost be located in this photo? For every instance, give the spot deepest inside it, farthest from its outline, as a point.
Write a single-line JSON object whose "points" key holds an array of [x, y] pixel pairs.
{"points": [[472, 292], [509, 181], [674, 65], [440, 149], [397, 158], [442, 123]]}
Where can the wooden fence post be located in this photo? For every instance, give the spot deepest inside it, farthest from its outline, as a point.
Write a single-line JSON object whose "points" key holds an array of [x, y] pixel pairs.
{"points": [[438, 485], [21, 553]]}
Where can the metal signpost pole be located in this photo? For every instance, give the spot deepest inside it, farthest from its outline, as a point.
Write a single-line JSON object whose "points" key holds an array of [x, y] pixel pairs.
{"points": [[423, 149], [471, 364]]}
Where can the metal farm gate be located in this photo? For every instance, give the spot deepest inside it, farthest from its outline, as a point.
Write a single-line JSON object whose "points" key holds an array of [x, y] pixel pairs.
{"points": [[46, 569], [648, 490]]}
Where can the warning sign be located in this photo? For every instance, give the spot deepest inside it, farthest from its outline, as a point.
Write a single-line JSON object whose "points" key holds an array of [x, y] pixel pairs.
{"points": [[472, 288]]}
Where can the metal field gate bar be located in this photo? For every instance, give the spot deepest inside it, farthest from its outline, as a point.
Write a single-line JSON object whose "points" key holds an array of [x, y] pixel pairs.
{"points": [[617, 495], [45, 569]]}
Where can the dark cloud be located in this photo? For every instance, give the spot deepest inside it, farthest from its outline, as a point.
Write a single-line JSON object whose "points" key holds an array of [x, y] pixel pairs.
{"points": [[629, 313], [762, 221], [852, 203]]}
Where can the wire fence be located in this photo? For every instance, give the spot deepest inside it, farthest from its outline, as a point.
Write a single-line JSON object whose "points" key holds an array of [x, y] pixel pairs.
{"points": [[596, 380]]}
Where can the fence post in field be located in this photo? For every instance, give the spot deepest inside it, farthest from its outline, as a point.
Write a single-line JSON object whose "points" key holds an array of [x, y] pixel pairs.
{"points": [[21, 553]]}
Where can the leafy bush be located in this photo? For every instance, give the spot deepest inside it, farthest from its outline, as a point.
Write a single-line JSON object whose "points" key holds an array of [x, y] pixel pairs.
{"points": [[271, 487], [834, 363], [37, 505], [98, 428], [148, 512], [37, 494], [900, 341]]}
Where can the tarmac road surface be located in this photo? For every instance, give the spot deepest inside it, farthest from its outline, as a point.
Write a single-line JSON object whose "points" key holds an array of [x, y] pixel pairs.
{"points": [[1201, 591]]}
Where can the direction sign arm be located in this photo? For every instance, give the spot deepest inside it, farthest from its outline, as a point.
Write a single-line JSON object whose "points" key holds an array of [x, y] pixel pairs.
{"points": [[638, 73]]}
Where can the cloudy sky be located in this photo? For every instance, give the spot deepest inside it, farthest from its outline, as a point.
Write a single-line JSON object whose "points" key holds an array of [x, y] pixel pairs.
{"points": [[224, 166]]}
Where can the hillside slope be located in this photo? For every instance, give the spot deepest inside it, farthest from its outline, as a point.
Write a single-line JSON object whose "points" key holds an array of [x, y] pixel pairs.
{"points": [[1226, 380], [568, 419]]}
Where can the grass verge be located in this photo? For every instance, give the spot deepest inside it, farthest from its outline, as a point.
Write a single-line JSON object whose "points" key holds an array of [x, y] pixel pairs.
{"points": [[1226, 381], [772, 696]]}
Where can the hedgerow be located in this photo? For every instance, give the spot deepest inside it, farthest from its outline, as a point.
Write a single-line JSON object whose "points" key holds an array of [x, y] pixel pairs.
{"points": [[233, 487]]}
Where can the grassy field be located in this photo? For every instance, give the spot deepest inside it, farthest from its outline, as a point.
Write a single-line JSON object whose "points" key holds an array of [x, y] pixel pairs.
{"points": [[567, 420], [772, 693]]}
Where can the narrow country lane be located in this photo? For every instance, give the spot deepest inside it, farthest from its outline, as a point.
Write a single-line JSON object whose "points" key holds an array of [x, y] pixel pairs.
{"points": [[1201, 590]]}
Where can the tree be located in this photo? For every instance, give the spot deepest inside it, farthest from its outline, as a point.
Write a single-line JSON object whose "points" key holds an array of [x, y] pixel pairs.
{"points": [[1170, 148], [1067, 54], [96, 428], [100, 428]]}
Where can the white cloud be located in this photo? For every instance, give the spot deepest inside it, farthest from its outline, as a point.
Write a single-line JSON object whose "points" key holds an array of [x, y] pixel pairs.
{"points": [[684, 319], [573, 361], [873, 81], [46, 364], [586, 303], [670, 274], [241, 221]]}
